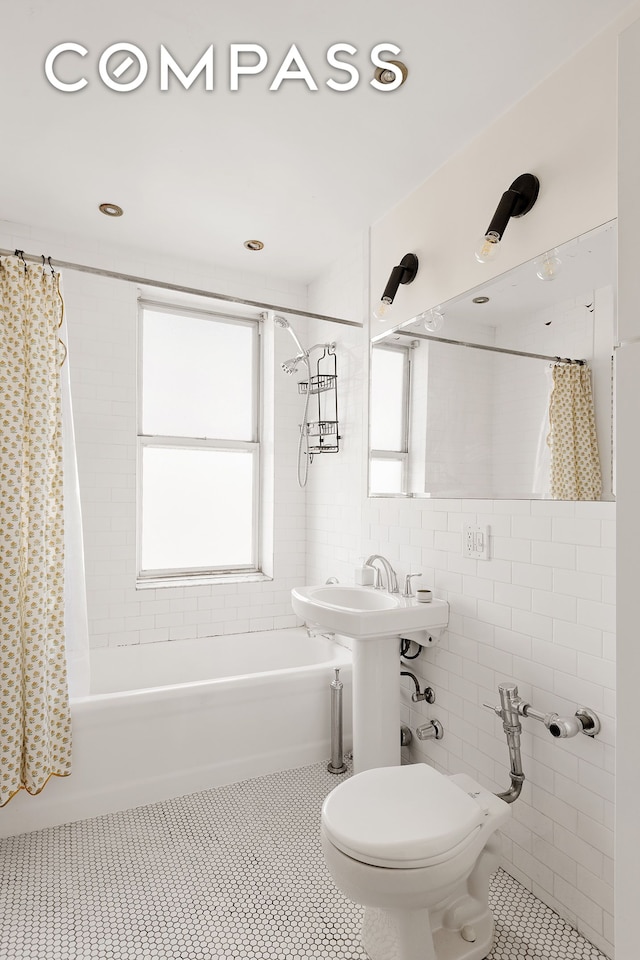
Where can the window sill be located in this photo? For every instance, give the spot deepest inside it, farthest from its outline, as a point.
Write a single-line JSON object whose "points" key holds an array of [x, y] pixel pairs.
{"points": [[157, 583]]}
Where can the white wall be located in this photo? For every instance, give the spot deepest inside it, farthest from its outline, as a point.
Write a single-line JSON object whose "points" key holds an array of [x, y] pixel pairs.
{"points": [[102, 320], [458, 449], [628, 471], [337, 482], [573, 153]]}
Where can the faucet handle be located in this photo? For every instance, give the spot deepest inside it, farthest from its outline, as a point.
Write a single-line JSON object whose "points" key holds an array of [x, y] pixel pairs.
{"points": [[408, 592], [377, 576]]}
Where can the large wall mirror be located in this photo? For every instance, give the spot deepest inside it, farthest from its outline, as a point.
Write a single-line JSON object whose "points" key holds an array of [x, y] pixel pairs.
{"points": [[464, 410]]}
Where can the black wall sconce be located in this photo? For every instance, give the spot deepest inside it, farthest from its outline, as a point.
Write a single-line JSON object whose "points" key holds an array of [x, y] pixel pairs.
{"points": [[405, 272], [515, 202]]}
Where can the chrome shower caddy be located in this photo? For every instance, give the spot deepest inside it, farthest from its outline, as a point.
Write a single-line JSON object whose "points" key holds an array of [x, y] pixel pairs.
{"points": [[322, 433]]}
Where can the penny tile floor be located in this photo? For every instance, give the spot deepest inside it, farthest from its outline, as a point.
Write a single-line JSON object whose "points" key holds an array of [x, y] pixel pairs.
{"points": [[232, 873]]}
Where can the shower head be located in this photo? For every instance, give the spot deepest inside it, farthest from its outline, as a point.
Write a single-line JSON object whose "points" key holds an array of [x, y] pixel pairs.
{"points": [[290, 366], [284, 323]]}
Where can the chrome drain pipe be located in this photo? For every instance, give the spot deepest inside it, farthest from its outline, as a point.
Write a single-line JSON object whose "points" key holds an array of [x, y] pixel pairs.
{"points": [[336, 763]]}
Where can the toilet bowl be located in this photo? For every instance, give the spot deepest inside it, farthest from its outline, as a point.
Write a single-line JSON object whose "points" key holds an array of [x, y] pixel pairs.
{"points": [[417, 849]]}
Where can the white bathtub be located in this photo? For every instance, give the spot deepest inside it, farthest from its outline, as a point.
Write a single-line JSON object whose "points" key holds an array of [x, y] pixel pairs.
{"points": [[167, 719]]}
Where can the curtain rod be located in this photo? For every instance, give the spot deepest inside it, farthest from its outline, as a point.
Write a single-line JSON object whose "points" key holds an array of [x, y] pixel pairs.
{"points": [[414, 335], [162, 285]]}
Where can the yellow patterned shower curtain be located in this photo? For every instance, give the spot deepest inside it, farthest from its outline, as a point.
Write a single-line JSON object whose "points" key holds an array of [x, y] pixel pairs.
{"points": [[35, 726], [575, 462]]}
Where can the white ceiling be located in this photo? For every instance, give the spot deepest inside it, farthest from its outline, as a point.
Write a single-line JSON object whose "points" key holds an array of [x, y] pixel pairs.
{"points": [[199, 172]]}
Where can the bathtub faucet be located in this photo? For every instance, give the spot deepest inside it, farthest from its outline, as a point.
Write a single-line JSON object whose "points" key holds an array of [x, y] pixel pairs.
{"points": [[392, 579]]}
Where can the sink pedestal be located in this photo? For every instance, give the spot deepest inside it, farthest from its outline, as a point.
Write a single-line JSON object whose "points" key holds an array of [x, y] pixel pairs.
{"points": [[374, 621], [376, 703]]}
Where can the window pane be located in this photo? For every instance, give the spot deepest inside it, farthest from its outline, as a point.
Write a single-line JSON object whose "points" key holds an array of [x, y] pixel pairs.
{"points": [[197, 377], [385, 476], [387, 399], [197, 508]]}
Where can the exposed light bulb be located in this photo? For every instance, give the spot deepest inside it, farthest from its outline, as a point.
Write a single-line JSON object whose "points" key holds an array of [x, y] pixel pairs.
{"points": [[384, 310], [488, 248], [433, 320], [548, 265]]}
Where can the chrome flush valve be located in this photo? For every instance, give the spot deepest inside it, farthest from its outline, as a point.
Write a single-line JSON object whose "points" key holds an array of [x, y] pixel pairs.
{"points": [[512, 706]]}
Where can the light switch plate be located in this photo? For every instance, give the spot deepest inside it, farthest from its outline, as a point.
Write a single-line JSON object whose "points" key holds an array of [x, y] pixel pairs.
{"points": [[475, 542]]}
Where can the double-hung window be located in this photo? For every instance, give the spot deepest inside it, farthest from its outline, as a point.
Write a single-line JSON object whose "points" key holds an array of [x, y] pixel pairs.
{"points": [[198, 444], [389, 419]]}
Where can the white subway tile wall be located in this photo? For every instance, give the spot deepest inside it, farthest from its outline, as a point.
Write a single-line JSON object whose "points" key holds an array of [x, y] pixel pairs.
{"points": [[540, 611]]}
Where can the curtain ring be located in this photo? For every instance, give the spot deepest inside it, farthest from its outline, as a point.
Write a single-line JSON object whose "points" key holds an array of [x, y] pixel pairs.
{"points": [[20, 255], [53, 273], [56, 276]]}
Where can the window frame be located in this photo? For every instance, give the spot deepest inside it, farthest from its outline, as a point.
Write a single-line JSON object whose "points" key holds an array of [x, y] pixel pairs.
{"points": [[177, 576], [402, 455]]}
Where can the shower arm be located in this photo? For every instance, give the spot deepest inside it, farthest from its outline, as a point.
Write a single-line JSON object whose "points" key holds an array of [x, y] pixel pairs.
{"points": [[289, 366], [330, 347], [305, 356]]}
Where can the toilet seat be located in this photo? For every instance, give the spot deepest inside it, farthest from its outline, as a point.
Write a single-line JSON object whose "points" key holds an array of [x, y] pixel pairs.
{"points": [[404, 817]]}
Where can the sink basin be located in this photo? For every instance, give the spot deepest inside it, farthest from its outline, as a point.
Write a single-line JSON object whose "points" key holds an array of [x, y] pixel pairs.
{"points": [[362, 612], [352, 598]]}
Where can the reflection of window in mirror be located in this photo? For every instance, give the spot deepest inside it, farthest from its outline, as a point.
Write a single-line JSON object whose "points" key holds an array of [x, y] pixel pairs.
{"points": [[388, 422]]}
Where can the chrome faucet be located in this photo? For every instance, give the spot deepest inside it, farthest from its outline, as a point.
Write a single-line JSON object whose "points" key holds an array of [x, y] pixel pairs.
{"points": [[408, 592], [392, 579]]}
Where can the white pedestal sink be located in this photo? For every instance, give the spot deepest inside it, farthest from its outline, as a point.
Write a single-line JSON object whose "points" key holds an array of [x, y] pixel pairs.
{"points": [[375, 621]]}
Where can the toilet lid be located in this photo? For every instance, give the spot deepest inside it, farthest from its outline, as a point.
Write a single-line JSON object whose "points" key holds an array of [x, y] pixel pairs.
{"points": [[400, 816]]}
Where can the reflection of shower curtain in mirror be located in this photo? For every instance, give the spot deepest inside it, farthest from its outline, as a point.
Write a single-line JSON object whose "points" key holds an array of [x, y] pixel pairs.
{"points": [[573, 445], [34, 700]]}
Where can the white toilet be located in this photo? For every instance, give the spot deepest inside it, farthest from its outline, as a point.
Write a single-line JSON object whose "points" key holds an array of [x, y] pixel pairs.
{"points": [[417, 849]]}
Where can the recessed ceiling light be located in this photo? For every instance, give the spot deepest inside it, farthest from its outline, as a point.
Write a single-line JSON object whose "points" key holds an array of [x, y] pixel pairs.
{"points": [[111, 209], [254, 244], [384, 75], [480, 300]]}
